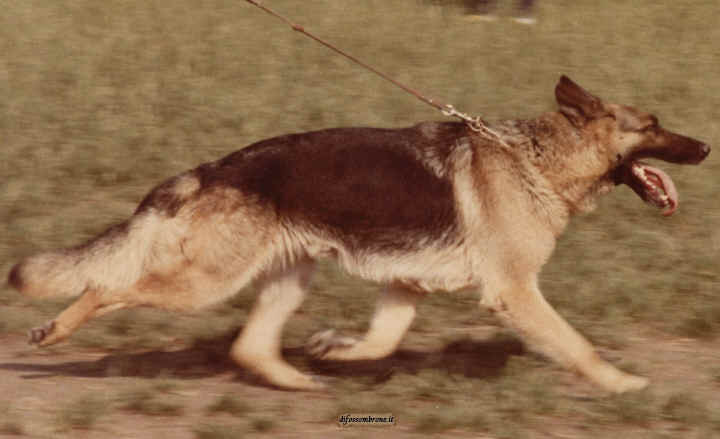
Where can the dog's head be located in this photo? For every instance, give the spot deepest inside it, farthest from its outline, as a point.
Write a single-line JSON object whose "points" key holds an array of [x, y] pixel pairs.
{"points": [[628, 136]]}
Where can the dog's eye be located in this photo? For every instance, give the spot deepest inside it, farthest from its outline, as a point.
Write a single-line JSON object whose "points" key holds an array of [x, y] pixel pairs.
{"points": [[619, 157], [653, 124]]}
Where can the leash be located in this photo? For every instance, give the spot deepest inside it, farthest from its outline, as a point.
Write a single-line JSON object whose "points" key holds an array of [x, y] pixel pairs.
{"points": [[474, 123]]}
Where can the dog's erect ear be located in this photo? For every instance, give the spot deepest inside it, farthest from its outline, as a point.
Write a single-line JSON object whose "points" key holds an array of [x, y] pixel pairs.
{"points": [[576, 103]]}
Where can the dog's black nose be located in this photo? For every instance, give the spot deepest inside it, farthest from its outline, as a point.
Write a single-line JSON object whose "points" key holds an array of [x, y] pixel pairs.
{"points": [[704, 150]]}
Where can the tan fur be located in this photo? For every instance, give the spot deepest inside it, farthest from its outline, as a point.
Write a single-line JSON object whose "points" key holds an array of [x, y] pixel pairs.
{"points": [[195, 242]]}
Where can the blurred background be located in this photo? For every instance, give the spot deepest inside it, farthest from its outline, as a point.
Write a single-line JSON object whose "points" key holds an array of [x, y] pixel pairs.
{"points": [[100, 101]]}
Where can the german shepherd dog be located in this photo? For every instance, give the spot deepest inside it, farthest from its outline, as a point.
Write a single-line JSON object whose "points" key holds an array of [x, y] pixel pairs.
{"points": [[433, 207]]}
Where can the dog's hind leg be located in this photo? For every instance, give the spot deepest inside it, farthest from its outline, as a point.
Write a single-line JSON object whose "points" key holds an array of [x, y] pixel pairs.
{"points": [[88, 306], [258, 347], [394, 313], [522, 307]]}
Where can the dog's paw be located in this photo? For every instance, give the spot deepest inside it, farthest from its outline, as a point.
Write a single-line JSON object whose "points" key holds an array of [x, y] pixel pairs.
{"points": [[320, 344], [36, 336], [324, 382], [630, 383]]}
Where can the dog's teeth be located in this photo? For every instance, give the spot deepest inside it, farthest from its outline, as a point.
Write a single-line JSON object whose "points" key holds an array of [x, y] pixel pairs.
{"points": [[640, 173]]}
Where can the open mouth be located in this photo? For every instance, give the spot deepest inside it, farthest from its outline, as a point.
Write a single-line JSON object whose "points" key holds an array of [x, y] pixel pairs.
{"points": [[652, 185]]}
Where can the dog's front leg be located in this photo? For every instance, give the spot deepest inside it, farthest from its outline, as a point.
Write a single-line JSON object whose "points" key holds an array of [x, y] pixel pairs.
{"points": [[522, 307]]}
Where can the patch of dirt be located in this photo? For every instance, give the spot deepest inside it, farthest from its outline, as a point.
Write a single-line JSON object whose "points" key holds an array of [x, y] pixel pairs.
{"points": [[38, 385]]}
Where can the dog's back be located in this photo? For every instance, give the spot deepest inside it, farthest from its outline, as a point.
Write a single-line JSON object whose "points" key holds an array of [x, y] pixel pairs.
{"points": [[365, 186]]}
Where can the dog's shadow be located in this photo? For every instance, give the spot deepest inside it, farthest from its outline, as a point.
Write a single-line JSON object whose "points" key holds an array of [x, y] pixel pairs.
{"points": [[207, 358]]}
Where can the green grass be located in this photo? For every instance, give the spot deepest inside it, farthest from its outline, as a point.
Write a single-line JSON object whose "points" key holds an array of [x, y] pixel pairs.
{"points": [[12, 428], [9, 423], [81, 414], [101, 102], [685, 408], [148, 402], [117, 111], [262, 424], [229, 404], [639, 409], [212, 431]]}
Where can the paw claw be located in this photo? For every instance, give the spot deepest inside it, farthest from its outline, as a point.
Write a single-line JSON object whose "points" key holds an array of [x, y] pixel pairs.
{"points": [[323, 342], [37, 335], [323, 382]]}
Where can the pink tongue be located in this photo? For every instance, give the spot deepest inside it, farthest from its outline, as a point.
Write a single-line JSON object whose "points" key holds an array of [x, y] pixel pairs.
{"points": [[668, 187]]}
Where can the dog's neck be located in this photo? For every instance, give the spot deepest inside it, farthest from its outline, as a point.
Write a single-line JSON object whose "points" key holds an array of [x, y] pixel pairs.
{"points": [[571, 162]]}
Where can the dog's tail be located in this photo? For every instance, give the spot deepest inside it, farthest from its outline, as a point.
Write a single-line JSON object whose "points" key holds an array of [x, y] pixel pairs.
{"points": [[111, 261]]}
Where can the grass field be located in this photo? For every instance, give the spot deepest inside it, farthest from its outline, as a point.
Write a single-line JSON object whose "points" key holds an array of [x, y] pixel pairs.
{"points": [[102, 100]]}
